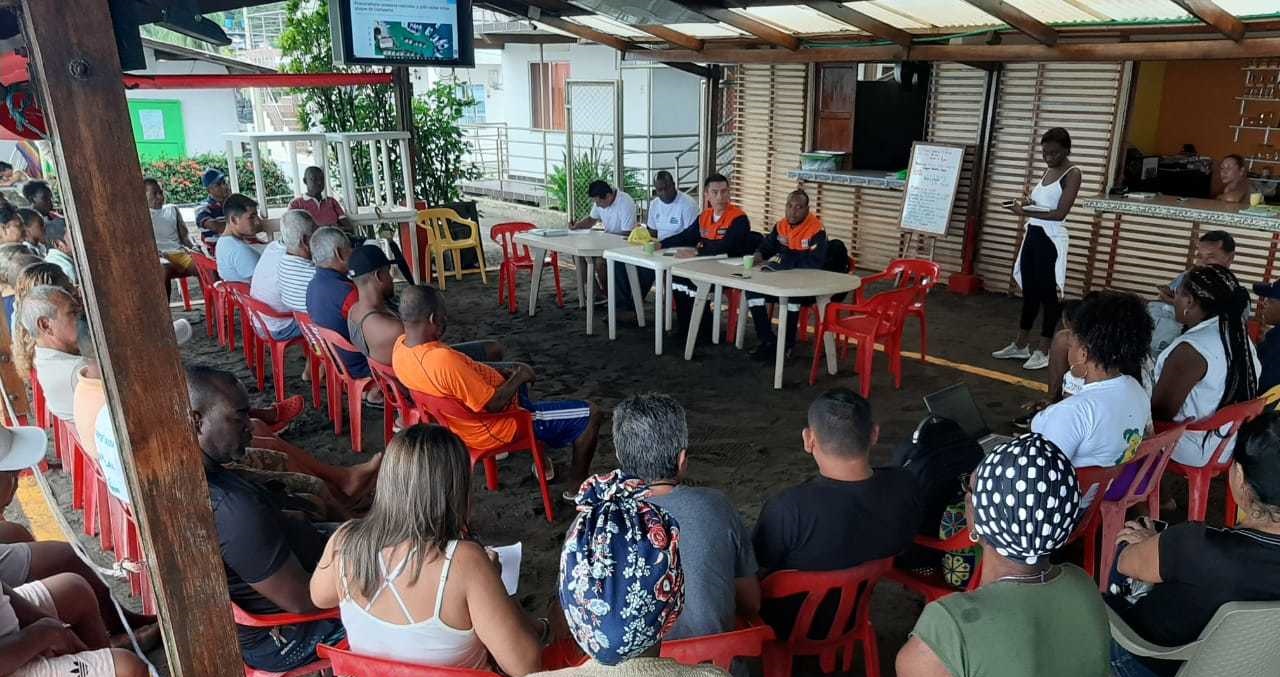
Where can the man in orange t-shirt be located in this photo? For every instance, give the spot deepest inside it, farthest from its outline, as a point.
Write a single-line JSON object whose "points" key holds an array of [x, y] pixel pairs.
{"points": [[425, 364]]}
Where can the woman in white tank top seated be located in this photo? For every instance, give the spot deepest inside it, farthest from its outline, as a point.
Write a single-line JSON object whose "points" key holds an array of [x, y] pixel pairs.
{"points": [[409, 586], [1211, 365]]}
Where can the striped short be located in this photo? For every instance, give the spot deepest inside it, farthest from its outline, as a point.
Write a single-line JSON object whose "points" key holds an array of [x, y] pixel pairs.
{"points": [[558, 423]]}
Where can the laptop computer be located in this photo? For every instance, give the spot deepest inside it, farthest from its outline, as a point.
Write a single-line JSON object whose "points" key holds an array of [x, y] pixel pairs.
{"points": [[955, 402]]}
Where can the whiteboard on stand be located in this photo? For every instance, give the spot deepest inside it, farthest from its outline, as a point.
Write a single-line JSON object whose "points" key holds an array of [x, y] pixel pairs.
{"points": [[930, 193]]}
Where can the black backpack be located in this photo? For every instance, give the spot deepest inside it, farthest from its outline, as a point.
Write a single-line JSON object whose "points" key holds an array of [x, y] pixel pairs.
{"points": [[939, 455]]}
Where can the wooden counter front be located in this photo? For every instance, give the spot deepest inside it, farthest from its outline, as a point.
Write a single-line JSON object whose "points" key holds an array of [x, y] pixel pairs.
{"points": [[1137, 245]]}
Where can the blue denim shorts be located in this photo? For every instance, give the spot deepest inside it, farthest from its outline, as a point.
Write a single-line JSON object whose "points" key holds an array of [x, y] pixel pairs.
{"points": [[289, 647]]}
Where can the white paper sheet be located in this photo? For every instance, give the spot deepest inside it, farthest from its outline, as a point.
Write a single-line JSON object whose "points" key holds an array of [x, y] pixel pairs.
{"points": [[510, 556]]}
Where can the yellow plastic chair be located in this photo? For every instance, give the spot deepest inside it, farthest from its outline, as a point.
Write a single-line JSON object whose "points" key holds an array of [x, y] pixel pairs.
{"points": [[440, 240]]}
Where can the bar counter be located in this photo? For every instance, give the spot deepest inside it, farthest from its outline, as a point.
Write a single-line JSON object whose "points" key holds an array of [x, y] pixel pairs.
{"points": [[1137, 244]]}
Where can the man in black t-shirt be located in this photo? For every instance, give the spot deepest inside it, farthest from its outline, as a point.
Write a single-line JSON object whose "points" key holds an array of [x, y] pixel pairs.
{"points": [[268, 553], [847, 515]]}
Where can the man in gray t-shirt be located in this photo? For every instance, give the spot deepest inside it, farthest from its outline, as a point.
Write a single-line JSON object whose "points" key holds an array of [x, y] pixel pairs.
{"points": [[651, 436]]}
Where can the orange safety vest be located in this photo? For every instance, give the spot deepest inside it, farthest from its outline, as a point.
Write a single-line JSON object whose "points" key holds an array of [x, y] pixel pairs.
{"points": [[799, 237], [712, 229]]}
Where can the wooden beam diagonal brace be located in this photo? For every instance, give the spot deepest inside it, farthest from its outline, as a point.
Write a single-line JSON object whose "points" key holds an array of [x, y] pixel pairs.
{"points": [[674, 37], [743, 22], [1018, 19], [866, 22], [1214, 15]]}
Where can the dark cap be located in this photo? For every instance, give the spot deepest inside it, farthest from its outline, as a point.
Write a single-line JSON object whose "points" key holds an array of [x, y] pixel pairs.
{"points": [[212, 177], [1267, 290], [366, 259]]}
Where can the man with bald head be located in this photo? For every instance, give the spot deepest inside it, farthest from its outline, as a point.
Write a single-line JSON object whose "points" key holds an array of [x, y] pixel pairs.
{"points": [[424, 363]]}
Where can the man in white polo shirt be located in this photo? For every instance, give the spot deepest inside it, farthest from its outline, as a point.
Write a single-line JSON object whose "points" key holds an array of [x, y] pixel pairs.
{"points": [[616, 211], [672, 210]]}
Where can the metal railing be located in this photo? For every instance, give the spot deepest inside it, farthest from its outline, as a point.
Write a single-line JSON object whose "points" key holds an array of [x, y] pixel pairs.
{"points": [[517, 163]]}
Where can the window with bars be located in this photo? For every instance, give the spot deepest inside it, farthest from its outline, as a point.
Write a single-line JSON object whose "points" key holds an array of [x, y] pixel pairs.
{"points": [[547, 92]]}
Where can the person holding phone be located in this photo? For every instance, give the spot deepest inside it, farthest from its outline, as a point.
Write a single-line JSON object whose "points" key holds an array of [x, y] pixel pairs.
{"points": [[1041, 267]]}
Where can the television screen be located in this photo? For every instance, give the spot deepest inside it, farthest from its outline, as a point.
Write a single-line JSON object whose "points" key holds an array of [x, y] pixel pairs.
{"points": [[402, 32]]}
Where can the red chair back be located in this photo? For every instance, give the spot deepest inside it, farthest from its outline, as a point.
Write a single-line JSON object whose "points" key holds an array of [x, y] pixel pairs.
{"points": [[853, 613], [722, 648], [915, 273], [206, 271], [333, 342], [258, 312], [1145, 469], [1097, 481], [1234, 416], [309, 334], [505, 235], [889, 306], [396, 395], [347, 664], [242, 617]]}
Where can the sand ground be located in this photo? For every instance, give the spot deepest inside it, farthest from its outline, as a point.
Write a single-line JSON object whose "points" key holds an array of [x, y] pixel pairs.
{"points": [[744, 435]]}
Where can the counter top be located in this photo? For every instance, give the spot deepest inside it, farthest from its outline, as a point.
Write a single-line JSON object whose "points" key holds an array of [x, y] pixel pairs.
{"points": [[861, 177], [1200, 210]]}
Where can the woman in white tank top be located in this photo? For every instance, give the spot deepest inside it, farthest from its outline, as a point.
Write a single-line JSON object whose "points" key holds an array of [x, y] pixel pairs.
{"points": [[408, 586], [1041, 267], [1211, 365]]}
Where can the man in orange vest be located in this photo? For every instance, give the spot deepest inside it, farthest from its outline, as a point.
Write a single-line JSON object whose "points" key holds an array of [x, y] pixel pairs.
{"points": [[798, 241], [721, 228]]}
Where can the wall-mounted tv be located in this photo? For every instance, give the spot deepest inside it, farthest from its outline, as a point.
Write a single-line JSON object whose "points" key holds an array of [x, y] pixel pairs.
{"points": [[402, 32]]}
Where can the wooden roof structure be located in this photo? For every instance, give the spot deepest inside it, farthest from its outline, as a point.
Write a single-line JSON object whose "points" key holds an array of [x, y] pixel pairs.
{"points": [[970, 31]]}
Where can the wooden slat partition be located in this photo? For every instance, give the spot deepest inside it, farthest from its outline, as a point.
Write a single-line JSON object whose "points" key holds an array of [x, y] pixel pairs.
{"points": [[770, 115], [1034, 97]]}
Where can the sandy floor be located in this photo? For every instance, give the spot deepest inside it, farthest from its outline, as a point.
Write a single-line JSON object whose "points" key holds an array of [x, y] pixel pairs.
{"points": [[744, 436]]}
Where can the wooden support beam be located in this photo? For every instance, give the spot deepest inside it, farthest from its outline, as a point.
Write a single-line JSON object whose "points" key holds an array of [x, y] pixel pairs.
{"points": [[76, 67], [866, 22], [674, 37], [1211, 13], [588, 33], [693, 69], [743, 22], [1023, 22], [1171, 50]]}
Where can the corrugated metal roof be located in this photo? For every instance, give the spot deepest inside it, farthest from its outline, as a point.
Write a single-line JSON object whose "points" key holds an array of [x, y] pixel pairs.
{"points": [[797, 19], [1056, 11], [606, 25], [944, 13], [1137, 10], [707, 30], [1250, 7]]}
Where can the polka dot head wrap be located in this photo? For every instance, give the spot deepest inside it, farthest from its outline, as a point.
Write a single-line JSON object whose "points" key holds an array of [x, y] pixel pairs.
{"points": [[1025, 498]]}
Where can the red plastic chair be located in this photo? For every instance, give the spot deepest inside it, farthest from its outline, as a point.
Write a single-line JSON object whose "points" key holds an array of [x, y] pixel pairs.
{"points": [[879, 319], [354, 387], [446, 410], [39, 406], [207, 273], [1094, 482], [317, 360], [258, 313], [232, 293], [1198, 479], [347, 664], [516, 256], [850, 626], [396, 398], [1144, 471], [757, 641], [933, 586], [918, 274], [249, 620]]}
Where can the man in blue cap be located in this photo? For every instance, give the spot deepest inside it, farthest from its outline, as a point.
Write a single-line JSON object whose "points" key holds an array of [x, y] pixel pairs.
{"points": [[1269, 348], [209, 216]]}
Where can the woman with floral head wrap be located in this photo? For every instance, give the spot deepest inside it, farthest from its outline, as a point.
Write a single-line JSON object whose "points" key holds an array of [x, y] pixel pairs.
{"points": [[1028, 616], [621, 583]]}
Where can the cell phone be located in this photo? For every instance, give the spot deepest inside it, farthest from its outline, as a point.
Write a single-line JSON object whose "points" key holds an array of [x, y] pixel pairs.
{"points": [[1006, 203]]}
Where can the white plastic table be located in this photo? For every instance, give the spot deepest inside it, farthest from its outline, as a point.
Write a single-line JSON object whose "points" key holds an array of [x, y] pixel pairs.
{"points": [[784, 284], [660, 262], [585, 246]]}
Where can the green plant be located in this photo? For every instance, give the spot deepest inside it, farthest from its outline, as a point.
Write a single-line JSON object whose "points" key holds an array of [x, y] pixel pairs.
{"points": [[181, 178], [442, 148], [591, 165]]}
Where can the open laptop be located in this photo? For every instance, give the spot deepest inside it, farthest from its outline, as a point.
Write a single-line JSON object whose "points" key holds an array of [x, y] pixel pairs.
{"points": [[955, 402]]}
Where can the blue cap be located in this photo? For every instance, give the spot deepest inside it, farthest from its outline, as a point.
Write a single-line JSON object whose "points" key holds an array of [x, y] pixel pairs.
{"points": [[1267, 290], [212, 177]]}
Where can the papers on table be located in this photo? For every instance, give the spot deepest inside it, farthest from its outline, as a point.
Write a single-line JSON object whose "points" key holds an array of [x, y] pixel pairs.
{"points": [[510, 556]]}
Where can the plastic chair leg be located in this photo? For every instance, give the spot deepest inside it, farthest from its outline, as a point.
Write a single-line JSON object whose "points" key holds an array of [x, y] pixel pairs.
{"points": [[355, 405], [314, 366], [866, 353], [1198, 488], [555, 270], [924, 339], [1112, 522], [1091, 547], [484, 268], [89, 528], [105, 538], [540, 467], [186, 293], [819, 345], [277, 369], [440, 278], [457, 263], [388, 422], [491, 474], [335, 404], [502, 283], [871, 652]]}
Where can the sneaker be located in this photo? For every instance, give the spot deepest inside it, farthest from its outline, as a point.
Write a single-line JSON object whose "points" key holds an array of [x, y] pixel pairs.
{"points": [[1012, 351], [1038, 360]]}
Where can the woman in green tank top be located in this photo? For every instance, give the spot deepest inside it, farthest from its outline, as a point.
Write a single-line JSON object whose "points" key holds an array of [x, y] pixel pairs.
{"points": [[1028, 616]]}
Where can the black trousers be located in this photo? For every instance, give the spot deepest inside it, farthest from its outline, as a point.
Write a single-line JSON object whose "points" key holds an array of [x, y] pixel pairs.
{"points": [[758, 305], [1039, 284]]}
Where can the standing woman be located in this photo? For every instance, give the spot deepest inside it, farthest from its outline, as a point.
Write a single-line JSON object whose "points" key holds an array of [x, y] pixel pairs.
{"points": [[1041, 268]]}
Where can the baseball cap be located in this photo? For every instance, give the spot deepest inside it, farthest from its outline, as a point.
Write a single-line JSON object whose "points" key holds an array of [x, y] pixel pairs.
{"points": [[1267, 290], [212, 177], [21, 447], [366, 259]]}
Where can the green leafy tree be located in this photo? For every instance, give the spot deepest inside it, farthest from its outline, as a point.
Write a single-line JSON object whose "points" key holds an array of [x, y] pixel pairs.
{"points": [[180, 178], [442, 147]]}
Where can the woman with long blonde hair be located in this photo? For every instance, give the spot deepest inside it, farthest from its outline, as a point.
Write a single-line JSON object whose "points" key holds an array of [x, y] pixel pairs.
{"points": [[32, 276], [410, 586]]}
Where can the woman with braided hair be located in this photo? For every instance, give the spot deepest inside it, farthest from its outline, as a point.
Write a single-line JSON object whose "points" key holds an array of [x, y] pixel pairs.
{"points": [[1212, 364]]}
